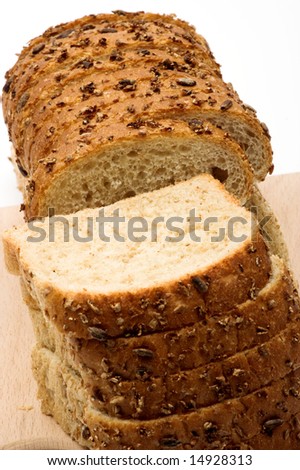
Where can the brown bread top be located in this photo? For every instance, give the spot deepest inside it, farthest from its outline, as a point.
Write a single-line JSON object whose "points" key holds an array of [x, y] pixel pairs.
{"points": [[155, 89], [128, 67], [60, 55], [108, 32]]}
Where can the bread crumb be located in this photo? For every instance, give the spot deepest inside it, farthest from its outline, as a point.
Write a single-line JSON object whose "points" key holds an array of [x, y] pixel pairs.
{"points": [[25, 408]]}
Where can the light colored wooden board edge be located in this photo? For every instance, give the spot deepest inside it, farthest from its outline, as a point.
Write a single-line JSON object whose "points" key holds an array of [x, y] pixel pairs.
{"points": [[41, 444]]}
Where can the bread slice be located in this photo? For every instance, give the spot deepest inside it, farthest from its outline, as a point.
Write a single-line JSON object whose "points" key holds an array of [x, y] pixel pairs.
{"points": [[153, 397], [232, 424], [257, 204], [125, 286], [135, 161], [68, 98], [210, 339], [268, 224]]}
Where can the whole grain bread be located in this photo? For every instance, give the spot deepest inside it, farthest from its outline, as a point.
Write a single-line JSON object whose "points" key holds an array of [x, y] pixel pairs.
{"points": [[180, 393], [209, 276], [104, 108], [86, 63], [209, 340], [236, 423]]}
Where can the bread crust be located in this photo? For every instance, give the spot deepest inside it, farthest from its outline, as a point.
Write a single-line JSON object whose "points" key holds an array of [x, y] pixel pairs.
{"points": [[32, 64], [234, 424]]}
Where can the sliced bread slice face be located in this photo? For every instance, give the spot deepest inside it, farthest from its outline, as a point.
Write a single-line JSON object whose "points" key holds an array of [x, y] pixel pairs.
{"points": [[87, 284]]}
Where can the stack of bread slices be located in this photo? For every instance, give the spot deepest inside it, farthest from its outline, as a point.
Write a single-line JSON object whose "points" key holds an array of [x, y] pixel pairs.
{"points": [[165, 316]]}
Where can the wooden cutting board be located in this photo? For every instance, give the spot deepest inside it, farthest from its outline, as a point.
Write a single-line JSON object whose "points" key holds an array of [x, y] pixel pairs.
{"points": [[22, 425]]}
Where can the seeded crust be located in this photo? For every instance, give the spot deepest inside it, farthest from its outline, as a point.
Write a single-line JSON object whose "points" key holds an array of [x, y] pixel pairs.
{"points": [[153, 397], [285, 436], [70, 88], [65, 102], [137, 30], [235, 423], [167, 307], [182, 85], [174, 100], [210, 339], [110, 97]]}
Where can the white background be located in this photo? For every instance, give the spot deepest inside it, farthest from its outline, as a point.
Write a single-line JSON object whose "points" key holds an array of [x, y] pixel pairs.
{"points": [[256, 41]]}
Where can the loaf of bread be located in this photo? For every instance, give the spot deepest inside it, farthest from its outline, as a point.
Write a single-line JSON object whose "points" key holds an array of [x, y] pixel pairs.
{"points": [[164, 309], [109, 106]]}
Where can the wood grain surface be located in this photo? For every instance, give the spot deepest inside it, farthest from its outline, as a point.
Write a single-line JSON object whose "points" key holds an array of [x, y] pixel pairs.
{"points": [[22, 425]]}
